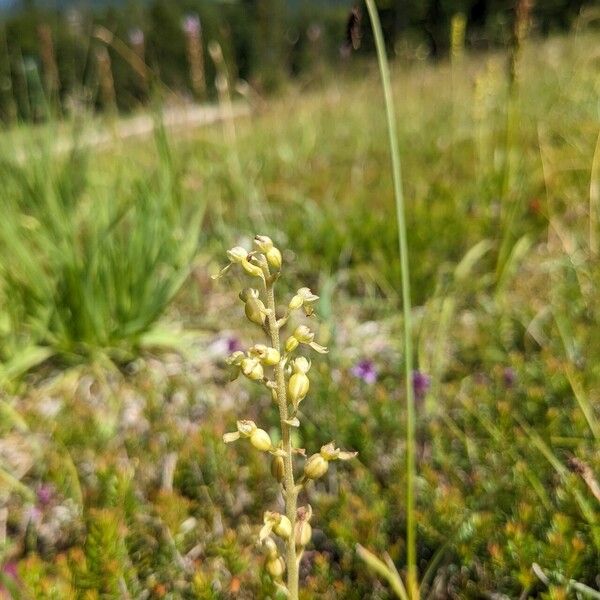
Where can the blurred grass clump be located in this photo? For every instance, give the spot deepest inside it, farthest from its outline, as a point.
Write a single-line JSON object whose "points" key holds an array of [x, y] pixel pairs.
{"points": [[89, 265], [116, 483]]}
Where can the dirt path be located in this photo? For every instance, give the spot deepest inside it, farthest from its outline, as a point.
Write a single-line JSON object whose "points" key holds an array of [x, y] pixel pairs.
{"points": [[102, 133], [174, 118]]}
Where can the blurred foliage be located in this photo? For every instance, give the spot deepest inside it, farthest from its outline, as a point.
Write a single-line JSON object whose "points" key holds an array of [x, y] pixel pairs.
{"points": [[265, 42]]}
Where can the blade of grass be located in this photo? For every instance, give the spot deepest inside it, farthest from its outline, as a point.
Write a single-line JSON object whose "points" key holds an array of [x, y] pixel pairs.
{"points": [[582, 399], [411, 529], [383, 570], [594, 199]]}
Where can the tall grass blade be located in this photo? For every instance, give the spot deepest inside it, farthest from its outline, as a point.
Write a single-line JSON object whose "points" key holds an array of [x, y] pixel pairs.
{"points": [[411, 529], [594, 215], [379, 567]]}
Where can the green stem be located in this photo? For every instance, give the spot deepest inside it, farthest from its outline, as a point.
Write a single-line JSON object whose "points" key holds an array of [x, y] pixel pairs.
{"points": [[411, 530], [290, 493]]}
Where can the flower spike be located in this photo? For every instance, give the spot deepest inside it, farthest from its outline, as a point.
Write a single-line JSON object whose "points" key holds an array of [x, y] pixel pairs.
{"points": [[288, 384]]}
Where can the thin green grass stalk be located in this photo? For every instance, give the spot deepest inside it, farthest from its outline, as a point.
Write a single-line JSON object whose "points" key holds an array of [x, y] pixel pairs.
{"points": [[510, 209], [594, 199], [6, 67], [411, 529], [383, 570], [457, 46], [582, 398], [509, 212]]}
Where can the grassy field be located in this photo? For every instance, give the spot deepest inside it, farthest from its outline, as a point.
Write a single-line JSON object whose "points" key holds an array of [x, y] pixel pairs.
{"points": [[114, 480]]}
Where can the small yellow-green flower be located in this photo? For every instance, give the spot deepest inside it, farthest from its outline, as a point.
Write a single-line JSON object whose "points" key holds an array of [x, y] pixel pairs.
{"points": [[318, 464], [303, 297], [252, 369], [259, 438], [268, 356], [276, 523], [315, 467]]}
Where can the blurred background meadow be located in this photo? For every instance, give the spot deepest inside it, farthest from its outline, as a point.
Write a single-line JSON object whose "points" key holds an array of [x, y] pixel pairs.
{"points": [[140, 140]]}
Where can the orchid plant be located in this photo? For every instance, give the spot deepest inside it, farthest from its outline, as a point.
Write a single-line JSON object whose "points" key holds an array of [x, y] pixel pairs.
{"points": [[278, 367]]}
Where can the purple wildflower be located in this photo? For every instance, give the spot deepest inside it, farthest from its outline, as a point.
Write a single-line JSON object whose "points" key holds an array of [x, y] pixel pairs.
{"points": [[45, 493], [509, 377], [421, 383], [233, 344], [366, 371], [10, 569], [9, 572]]}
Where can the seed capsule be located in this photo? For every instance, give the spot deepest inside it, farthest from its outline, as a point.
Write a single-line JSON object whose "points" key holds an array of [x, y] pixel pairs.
{"points": [[275, 567], [271, 546], [251, 269], [298, 387], [261, 440], [302, 533], [255, 311], [277, 468], [291, 344], [274, 258], [283, 528], [316, 466]]}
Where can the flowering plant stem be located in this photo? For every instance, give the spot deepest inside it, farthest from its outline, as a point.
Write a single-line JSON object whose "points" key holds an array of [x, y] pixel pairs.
{"points": [[293, 528], [289, 487], [411, 538]]}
